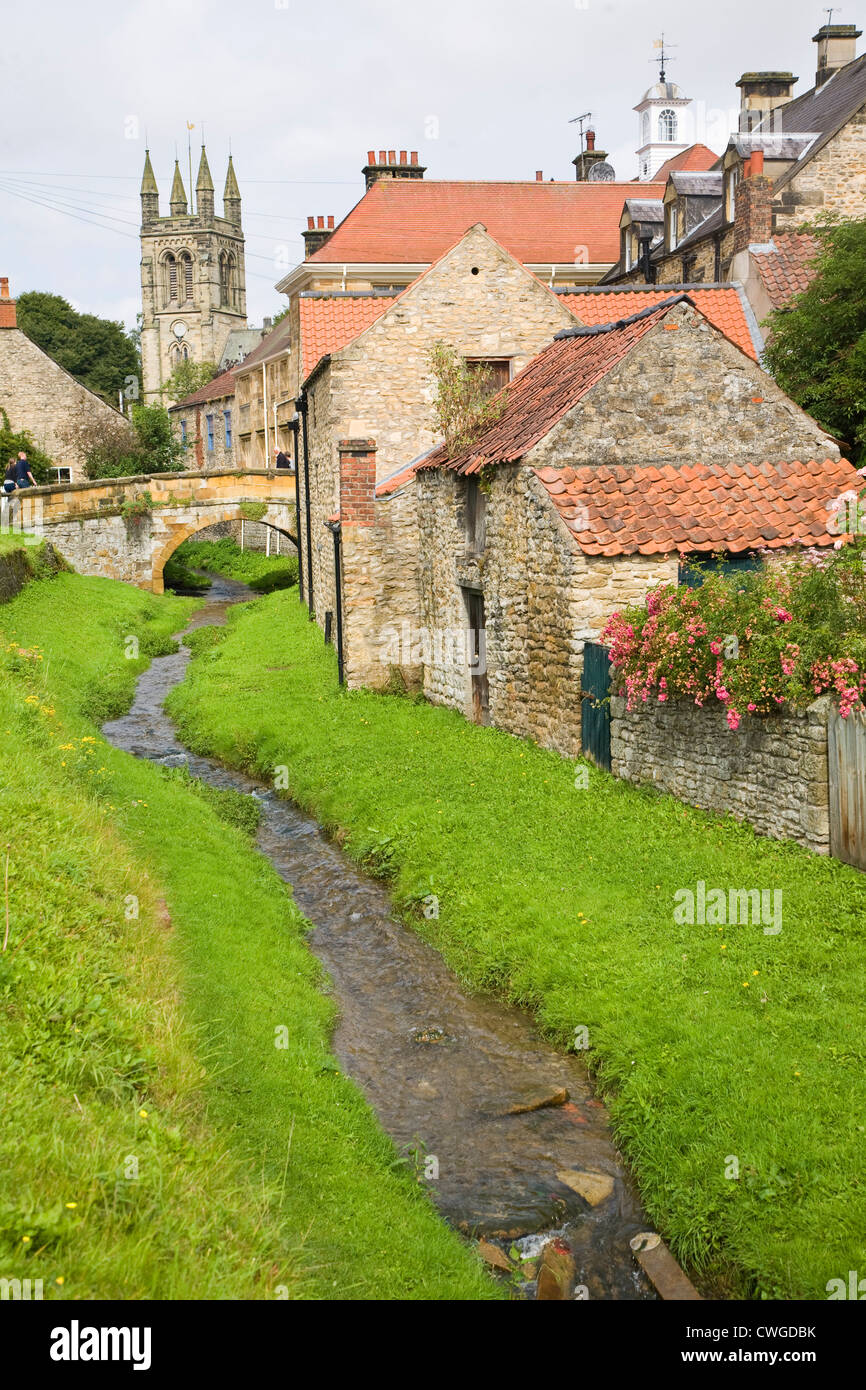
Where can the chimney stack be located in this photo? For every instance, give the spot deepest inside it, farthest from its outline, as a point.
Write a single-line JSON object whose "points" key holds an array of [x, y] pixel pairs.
{"points": [[388, 166], [584, 161], [762, 94], [837, 45], [316, 235], [753, 213], [8, 318], [539, 176]]}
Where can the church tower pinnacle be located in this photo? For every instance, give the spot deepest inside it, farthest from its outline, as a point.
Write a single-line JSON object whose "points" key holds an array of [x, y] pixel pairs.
{"points": [[193, 281]]}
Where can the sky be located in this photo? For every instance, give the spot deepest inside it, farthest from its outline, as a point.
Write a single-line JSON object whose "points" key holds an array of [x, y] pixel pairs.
{"points": [[483, 89]]}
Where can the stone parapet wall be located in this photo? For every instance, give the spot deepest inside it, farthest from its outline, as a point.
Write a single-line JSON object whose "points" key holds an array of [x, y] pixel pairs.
{"points": [[771, 772]]}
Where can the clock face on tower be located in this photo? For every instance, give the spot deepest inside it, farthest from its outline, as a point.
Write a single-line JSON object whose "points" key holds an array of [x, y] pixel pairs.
{"points": [[179, 329]]}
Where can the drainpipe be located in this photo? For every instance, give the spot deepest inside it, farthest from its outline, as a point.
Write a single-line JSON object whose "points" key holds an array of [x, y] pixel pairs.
{"points": [[265, 410], [335, 530], [302, 411], [294, 424]]}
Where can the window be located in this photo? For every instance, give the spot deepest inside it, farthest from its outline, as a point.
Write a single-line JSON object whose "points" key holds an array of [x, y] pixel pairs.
{"points": [[62, 475], [626, 248], [498, 369], [670, 226], [727, 564], [170, 279], [183, 431], [227, 421], [186, 273], [667, 124], [208, 419], [227, 266], [731, 193], [475, 511], [645, 128]]}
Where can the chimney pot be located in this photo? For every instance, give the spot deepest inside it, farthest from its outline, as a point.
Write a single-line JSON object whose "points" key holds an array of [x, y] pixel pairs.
{"points": [[4, 286], [414, 157], [590, 139], [330, 222], [321, 222], [757, 164], [402, 156], [392, 156], [371, 156], [311, 222], [383, 159], [539, 175]]}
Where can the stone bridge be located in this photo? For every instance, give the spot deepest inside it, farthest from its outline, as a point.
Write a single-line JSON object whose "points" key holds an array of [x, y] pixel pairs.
{"points": [[126, 528]]}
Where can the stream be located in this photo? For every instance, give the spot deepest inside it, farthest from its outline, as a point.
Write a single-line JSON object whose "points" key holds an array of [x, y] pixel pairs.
{"points": [[441, 1067]]}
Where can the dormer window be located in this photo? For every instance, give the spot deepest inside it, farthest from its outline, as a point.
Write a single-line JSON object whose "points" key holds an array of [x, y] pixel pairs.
{"points": [[667, 124], [626, 248]]}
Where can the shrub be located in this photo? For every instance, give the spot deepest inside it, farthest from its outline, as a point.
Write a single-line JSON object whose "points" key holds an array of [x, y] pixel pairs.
{"points": [[753, 642]]}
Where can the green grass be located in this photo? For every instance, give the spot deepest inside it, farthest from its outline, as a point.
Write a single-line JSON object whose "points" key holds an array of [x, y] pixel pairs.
{"points": [[261, 572], [148, 1042], [707, 1043]]}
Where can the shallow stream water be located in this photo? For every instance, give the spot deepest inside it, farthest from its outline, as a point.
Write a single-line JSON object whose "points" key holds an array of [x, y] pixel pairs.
{"points": [[441, 1067]]}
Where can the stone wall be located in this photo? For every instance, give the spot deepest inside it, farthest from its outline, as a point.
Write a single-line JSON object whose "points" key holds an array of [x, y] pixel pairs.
{"points": [[40, 397], [543, 600], [684, 394], [771, 772], [833, 180]]}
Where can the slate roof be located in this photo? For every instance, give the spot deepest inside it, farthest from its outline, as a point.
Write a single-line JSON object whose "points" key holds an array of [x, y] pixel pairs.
{"points": [[786, 265], [275, 341], [548, 387], [697, 508], [413, 221], [697, 183], [329, 322], [723, 305]]}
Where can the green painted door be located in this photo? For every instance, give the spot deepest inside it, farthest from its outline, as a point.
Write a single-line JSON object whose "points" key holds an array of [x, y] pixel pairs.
{"points": [[595, 704]]}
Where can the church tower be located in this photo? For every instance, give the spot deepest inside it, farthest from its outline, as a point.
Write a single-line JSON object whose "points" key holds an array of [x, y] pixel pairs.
{"points": [[662, 122], [193, 283]]}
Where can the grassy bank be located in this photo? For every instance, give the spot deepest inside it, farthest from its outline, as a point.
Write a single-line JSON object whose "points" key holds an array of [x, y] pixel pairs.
{"points": [[721, 1051], [261, 572], [156, 1140]]}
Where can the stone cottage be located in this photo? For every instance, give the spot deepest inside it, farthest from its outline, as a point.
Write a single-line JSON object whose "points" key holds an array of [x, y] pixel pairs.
{"points": [[204, 422], [620, 448], [39, 396], [380, 387]]}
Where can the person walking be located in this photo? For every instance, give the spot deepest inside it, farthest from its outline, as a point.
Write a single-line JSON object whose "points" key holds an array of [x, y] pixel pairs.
{"points": [[23, 476]]}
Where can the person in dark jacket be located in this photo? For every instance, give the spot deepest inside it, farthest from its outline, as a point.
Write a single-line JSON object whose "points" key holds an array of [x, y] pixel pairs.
{"points": [[23, 476], [9, 477], [282, 460]]}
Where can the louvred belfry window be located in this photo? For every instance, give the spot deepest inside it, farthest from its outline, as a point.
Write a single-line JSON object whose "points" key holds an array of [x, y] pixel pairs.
{"points": [[171, 276], [186, 261]]}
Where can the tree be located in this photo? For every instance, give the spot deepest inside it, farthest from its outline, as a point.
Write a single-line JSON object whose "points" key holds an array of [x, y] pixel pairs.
{"points": [[97, 352], [817, 348], [188, 377], [118, 449], [11, 444]]}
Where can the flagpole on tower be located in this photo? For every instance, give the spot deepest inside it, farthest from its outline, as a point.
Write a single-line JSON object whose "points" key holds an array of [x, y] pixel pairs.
{"points": [[189, 157]]}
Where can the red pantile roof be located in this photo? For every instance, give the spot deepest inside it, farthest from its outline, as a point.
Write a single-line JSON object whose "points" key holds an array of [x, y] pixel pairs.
{"points": [[222, 385], [698, 507], [548, 387], [696, 158], [786, 267], [723, 306], [413, 221], [329, 322]]}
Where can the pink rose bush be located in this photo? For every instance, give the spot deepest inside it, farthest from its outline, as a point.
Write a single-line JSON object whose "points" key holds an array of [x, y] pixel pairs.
{"points": [[749, 642]]}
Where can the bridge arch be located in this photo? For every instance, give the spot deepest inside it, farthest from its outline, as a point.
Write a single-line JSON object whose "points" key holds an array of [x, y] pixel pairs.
{"points": [[188, 529]]}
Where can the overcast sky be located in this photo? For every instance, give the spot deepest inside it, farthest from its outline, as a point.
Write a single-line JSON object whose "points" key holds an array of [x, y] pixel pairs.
{"points": [[481, 88]]}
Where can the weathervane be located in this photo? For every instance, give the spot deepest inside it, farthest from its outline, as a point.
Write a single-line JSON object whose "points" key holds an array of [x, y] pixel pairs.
{"points": [[663, 56]]}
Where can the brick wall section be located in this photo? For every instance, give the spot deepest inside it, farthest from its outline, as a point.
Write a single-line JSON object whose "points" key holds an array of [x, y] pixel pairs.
{"points": [[753, 223], [772, 772], [357, 481]]}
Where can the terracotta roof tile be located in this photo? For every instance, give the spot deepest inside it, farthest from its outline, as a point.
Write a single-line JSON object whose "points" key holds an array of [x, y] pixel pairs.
{"points": [[786, 267], [222, 385], [330, 322], [413, 221], [700, 507], [722, 305], [697, 158]]}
